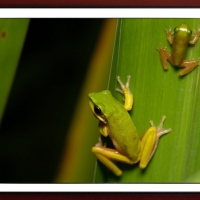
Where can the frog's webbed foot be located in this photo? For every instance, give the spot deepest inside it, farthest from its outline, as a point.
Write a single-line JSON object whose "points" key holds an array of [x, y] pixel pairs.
{"points": [[160, 130], [161, 48], [125, 90], [100, 143], [169, 31], [120, 91]]}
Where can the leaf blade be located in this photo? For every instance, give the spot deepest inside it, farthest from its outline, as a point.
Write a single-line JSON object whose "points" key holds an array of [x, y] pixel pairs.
{"points": [[12, 35], [158, 92]]}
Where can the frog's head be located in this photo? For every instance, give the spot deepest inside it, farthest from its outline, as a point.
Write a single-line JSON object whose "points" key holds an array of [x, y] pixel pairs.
{"points": [[99, 103], [183, 29]]}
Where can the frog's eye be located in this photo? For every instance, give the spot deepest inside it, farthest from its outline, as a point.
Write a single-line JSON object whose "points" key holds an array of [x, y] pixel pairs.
{"points": [[176, 29], [97, 110], [189, 32]]}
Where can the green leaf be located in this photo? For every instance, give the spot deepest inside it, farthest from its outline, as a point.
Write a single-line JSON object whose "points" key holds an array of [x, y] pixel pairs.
{"points": [[156, 93], [12, 35]]}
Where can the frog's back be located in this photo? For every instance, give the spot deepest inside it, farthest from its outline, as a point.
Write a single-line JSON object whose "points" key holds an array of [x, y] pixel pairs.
{"points": [[179, 49], [124, 134], [180, 42]]}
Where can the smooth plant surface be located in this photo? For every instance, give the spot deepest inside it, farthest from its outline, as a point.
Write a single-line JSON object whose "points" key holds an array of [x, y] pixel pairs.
{"points": [[12, 36], [158, 92]]}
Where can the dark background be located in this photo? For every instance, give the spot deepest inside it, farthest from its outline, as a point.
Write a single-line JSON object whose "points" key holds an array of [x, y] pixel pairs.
{"points": [[48, 80]]}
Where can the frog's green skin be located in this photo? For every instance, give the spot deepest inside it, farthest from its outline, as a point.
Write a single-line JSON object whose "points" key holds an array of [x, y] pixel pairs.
{"points": [[179, 40], [116, 122]]}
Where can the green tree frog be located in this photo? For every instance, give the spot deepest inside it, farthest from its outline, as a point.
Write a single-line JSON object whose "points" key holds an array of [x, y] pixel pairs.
{"points": [[179, 40], [115, 122]]}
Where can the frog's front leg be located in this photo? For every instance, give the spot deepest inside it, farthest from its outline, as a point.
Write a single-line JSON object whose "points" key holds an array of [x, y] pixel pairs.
{"points": [[149, 142], [125, 90], [164, 54], [195, 37], [169, 35]]}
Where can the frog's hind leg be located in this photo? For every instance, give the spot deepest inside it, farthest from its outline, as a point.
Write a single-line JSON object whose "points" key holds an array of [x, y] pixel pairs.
{"points": [[188, 65], [106, 155], [149, 142], [164, 56]]}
